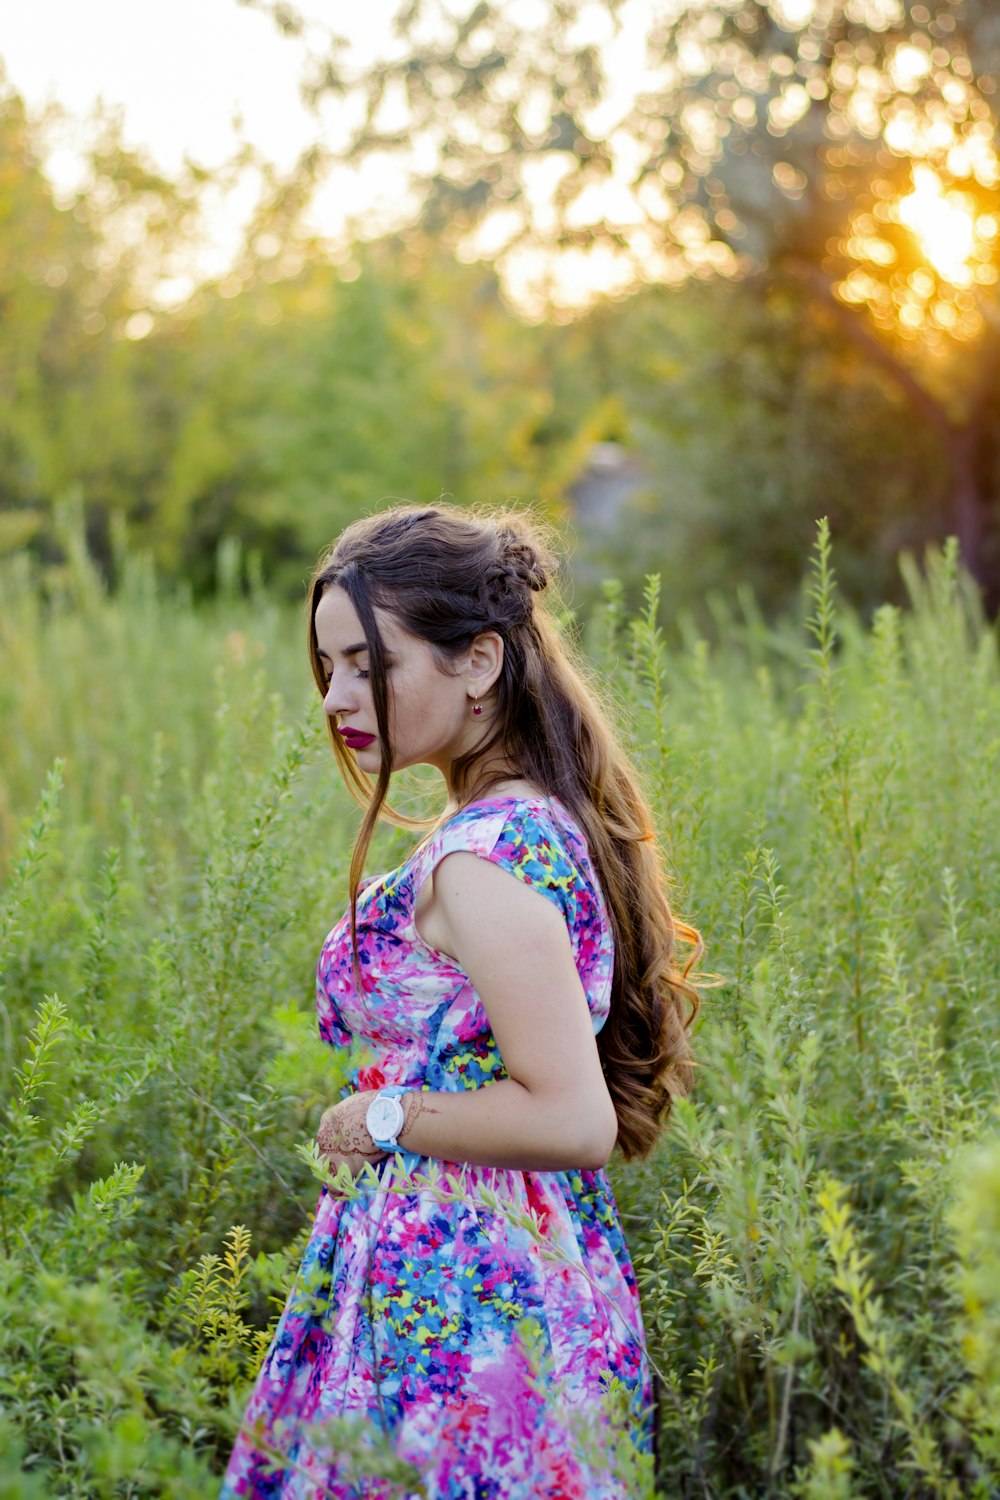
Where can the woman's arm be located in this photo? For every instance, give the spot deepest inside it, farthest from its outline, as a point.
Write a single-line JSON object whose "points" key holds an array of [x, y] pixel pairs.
{"points": [[553, 1111]]}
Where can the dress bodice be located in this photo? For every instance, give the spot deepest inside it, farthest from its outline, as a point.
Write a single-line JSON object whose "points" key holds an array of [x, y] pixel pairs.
{"points": [[418, 1012]]}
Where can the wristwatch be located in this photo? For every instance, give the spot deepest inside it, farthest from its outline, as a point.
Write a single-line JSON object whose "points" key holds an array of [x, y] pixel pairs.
{"points": [[386, 1117]]}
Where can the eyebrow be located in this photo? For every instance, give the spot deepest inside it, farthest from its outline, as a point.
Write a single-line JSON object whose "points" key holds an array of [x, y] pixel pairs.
{"points": [[350, 651]]}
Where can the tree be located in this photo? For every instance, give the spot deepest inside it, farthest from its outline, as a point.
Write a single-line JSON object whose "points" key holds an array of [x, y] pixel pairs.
{"points": [[305, 400], [275, 404], [750, 418], [74, 277], [845, 144]]}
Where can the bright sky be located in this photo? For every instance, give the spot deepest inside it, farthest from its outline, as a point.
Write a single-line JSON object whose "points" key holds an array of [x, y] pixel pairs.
{"points": [[180, 71]]}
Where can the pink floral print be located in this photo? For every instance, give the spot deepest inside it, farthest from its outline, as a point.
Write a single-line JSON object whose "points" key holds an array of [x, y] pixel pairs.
{"points": [[476, 1324]]}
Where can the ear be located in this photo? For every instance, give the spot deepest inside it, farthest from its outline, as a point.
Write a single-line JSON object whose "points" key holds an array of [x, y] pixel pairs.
{"points": [[484, 662]]}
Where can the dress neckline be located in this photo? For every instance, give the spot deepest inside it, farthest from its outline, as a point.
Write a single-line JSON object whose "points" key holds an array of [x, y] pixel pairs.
{"points": [[500, 797]]}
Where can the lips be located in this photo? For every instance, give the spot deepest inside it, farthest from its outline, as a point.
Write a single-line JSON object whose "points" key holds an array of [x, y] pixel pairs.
{"points": [[354, 740]]}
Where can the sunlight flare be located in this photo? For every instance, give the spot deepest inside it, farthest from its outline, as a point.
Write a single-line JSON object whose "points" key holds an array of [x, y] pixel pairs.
{"points": [[942, 223]]}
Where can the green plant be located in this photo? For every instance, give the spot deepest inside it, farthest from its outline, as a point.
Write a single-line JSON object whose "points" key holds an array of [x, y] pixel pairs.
{"points": [[175, 848]]}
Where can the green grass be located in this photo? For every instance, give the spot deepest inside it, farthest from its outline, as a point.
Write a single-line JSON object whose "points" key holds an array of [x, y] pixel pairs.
{"points": [[817, 1235]]}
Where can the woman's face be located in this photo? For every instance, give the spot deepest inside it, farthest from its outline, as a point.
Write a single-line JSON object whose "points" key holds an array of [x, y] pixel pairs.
{"points": [[430, 712]]}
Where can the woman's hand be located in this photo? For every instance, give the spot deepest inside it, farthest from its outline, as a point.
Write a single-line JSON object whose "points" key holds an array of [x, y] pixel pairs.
{"points": [[343, 1135]]}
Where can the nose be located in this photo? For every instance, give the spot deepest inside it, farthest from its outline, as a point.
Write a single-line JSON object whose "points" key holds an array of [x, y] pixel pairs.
{"points": [[339, 697]]}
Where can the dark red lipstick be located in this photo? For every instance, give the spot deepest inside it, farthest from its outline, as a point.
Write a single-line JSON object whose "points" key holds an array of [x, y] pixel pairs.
{"points": [[354, 740]]}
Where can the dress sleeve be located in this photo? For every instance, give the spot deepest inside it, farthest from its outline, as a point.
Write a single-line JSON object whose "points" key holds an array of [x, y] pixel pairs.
{"points": [[518, 840], [527, 842], [527, 847]]}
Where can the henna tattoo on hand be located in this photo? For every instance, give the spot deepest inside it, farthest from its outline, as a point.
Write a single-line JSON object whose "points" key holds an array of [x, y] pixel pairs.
{"points": [[357, 1140], [342, 1131], [346, 1138], [343, 1134]]}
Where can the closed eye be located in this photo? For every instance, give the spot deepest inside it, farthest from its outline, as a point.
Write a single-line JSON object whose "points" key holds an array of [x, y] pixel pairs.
{"points": [[361, 672]]}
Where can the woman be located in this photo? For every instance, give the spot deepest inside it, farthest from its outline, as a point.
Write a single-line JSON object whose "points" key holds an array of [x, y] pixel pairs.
{"points": [[514, 985]]}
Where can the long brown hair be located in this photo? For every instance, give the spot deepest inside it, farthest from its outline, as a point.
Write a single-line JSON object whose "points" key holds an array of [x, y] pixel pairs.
{"points": [[447, 575]]}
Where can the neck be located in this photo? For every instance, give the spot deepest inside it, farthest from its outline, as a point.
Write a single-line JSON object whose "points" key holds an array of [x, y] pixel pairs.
{"points": [[499, 786]]}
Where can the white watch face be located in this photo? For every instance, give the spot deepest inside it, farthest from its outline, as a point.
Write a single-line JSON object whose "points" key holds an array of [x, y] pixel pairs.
{"points": [[384, 1118]]}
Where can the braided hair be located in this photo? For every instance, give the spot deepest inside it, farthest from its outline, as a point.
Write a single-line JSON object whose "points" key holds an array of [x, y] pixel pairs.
{"points": [[448, 575]]}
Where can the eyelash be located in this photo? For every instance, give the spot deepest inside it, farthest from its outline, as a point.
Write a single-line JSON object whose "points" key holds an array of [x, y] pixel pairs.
{"points": [[361, 672]]}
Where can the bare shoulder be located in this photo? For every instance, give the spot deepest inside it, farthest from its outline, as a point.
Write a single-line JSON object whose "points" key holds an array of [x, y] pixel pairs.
{"points": [[468, 886], [470, 897], [472, 908]]}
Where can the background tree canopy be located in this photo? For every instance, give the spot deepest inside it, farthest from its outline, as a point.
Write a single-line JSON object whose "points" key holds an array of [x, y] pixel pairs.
{"points": [[797, 208], [847, 145]]}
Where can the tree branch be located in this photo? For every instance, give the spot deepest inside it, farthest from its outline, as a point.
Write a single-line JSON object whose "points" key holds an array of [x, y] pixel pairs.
{"points": [[857, 329]]}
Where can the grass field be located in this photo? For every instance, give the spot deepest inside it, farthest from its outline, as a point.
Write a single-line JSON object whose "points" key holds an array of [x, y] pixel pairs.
{"points": [[817, 1236]]}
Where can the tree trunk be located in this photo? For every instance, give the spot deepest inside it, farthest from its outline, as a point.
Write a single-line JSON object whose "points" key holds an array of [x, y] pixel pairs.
{"points": [[968, 508], [969, 503], [967, 518]]}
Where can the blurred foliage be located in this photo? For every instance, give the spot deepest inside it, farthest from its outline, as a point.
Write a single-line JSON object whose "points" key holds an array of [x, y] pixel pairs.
{"points": [[749, 417], [310, 383], [848, 146], [72, 412], [274, 405]]}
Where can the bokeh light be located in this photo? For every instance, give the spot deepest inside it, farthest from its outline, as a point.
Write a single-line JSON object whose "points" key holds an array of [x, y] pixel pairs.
{"points": [[944, 223]]}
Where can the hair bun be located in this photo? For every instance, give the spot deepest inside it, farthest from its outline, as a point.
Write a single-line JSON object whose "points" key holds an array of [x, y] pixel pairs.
{"points": [[523, 561]]}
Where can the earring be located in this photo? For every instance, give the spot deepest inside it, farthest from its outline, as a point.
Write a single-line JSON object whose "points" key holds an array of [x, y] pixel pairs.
{"points": [[477, 708]]}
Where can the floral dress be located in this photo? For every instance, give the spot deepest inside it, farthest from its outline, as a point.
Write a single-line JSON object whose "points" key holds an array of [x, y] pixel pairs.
{"points": [[470, 1327]]}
